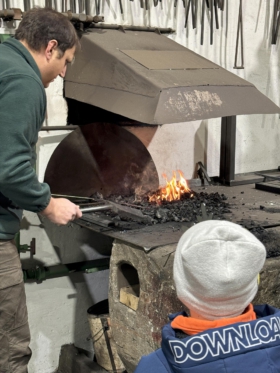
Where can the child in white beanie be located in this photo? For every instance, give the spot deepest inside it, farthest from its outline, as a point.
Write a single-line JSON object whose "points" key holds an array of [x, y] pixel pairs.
{"points": [[216, 269]]}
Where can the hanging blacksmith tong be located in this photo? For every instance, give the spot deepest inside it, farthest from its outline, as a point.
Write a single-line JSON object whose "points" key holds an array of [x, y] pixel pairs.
{"points": [[239, 32]]}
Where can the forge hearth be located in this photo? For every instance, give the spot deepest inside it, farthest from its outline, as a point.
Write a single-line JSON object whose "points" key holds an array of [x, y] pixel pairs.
{"points": [[142, 260], [187, 209], [136, 326]]}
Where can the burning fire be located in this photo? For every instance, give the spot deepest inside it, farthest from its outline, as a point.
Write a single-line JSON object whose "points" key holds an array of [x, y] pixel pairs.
{"points": [[173, 190]]}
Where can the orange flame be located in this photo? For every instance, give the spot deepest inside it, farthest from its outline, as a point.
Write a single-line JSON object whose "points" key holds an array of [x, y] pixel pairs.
{"points": [[173, 189]]}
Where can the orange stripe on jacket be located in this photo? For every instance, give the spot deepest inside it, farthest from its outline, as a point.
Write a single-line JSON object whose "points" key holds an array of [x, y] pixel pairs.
{"points": [[192, 326]]}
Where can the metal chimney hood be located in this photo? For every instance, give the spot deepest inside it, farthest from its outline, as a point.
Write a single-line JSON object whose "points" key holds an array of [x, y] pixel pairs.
{"points": [[149, 78]]}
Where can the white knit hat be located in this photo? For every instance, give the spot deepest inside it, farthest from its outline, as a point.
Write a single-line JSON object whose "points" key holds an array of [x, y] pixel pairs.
{"points": [[216, 267]]}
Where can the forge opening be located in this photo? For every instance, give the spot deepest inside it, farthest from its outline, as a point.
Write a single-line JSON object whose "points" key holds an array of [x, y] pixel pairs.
{"points": [[128, 285]]}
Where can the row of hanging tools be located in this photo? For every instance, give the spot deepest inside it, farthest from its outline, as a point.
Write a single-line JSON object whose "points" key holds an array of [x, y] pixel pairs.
{"points": [[212, 6]]}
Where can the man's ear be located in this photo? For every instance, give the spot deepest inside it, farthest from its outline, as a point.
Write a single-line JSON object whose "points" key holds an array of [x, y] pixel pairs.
{"points": [[52, 44]]}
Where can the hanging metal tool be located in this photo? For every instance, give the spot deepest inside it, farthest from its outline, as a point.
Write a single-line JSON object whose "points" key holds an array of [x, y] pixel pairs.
{"points": [[216, 13], [194, 10], [121, 7], [211, 4], [277, 27], [147, 4], [202, 22], [187, 13], [276, 22], [239, 32], [97, 10]]}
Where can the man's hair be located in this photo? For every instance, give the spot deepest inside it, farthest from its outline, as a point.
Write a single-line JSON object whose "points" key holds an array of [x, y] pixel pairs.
{"points": [[40, 25]]}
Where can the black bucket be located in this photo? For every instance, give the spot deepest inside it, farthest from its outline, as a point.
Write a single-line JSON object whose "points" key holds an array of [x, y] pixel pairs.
{"points": [[104, 346]]}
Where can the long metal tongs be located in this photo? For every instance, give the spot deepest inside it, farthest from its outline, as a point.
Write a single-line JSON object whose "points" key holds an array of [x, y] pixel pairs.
{"points": [[239, 32]]}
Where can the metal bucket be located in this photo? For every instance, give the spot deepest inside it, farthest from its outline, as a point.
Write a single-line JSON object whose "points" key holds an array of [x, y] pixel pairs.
{"points": [[103, 344]]}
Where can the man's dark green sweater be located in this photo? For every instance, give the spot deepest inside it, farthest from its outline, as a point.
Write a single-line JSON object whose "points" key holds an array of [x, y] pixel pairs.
{"points": [[22, 112]]}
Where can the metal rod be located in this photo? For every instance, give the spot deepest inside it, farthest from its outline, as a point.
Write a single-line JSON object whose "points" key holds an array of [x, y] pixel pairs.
{"points": [[228, 148], [75, 197], [193, 13], [41, 273], [96, 208], [59, 128], [211, 22], [277, 27], [132, 28], [275, 10]]}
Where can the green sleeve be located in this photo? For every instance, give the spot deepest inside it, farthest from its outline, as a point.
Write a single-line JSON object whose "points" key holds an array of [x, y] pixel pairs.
{"points": [[22, 110]]}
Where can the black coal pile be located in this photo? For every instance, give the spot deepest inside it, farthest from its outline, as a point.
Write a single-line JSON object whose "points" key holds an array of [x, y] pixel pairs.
{"points": [[270, 238], [187, 209]]}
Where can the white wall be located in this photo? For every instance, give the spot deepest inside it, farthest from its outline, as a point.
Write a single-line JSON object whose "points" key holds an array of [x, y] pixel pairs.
{"points": [[257, 139]]}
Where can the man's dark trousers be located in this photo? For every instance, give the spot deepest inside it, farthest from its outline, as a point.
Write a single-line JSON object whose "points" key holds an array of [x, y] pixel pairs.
{"points": [[14, 329]]}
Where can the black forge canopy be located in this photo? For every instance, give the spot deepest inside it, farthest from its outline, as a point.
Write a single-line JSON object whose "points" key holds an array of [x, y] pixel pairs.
{"points": [[149, 78]]}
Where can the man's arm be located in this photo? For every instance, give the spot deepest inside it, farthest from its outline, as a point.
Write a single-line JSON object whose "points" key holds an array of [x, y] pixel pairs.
{"points": [[22, 109]]}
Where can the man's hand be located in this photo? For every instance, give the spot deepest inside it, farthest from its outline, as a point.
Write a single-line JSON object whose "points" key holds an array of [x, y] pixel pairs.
{"points": [[61, 211]]}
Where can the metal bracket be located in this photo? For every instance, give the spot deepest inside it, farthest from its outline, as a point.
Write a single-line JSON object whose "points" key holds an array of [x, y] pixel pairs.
{"points": [[202, 173], [204, 216], [121, 28]]}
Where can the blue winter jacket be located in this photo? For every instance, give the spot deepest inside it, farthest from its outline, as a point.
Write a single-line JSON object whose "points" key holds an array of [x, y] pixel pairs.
{"points": [[252, 346]]}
